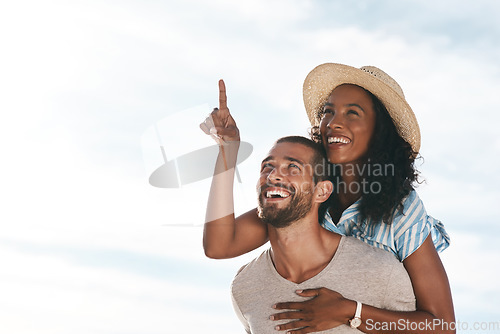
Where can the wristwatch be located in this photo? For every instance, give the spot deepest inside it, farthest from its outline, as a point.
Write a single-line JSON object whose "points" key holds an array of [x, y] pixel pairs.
{"points": [[356, 321]]}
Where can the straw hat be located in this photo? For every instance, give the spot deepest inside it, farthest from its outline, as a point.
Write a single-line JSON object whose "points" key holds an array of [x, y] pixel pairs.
{"points": [[322, 80]]}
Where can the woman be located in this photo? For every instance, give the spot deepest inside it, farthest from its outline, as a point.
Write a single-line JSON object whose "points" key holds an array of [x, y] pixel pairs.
{"points": [[371, 137]]}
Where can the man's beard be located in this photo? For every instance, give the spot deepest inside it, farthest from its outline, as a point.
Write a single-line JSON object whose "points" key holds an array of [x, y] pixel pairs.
{"points": [[297, 208]]}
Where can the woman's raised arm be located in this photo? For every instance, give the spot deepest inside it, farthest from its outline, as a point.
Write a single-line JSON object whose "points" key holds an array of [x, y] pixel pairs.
{"points": [[225, 236]]}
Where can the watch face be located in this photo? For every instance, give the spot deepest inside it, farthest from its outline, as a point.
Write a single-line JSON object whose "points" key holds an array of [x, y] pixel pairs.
{"points": [[355, 322]]}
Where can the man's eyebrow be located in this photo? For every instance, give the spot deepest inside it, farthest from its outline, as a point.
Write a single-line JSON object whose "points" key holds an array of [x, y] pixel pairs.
{"points": [[267, 159], [295, 160], [286, 158]]}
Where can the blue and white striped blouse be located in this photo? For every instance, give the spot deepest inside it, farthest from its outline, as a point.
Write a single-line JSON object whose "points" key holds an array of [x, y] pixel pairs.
{"points": [[402, 237]]}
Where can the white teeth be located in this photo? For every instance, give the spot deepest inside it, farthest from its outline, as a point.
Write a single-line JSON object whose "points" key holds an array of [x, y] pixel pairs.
{"points": [[279, 193], [342, 140]]}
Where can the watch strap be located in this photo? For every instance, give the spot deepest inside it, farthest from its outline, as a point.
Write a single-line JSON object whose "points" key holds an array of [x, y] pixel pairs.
{"points": [[358, 310], [356, 321]]}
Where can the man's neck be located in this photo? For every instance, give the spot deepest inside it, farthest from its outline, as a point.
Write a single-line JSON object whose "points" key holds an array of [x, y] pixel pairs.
{"points": [[301, 250]]}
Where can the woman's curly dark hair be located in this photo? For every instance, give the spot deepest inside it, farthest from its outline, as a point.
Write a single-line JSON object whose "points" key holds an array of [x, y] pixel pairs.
{"points": [[387, 187]]}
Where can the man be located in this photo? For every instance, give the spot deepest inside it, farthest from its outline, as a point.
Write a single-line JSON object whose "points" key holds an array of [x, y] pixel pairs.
{"points": [[303, 255]]}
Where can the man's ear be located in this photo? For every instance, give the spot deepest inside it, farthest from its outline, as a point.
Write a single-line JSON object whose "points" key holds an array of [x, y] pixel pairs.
{"points": [[323, 190]]}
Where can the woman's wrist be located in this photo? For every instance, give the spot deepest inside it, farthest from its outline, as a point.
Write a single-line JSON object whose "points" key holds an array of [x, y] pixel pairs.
{"points": [[228, 151], [348, 311]]}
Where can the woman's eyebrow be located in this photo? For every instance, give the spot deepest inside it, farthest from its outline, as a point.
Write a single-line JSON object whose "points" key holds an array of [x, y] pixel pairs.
{"points": [[355, 105], [328, 104]]}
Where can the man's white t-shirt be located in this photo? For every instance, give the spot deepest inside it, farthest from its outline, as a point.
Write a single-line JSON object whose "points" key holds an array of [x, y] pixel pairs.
{"points": [[357, 271]]}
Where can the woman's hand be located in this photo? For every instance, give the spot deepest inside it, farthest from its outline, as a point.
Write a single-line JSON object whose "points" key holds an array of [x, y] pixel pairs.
{"points": [[220, 124], [326, 309]]}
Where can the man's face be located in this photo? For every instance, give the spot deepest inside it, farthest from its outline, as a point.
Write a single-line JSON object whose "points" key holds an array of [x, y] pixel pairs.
{"points": [[286, 187]]}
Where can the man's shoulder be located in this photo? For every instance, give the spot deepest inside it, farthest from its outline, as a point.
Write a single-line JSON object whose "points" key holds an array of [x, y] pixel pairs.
{"points": [[363, 252], [385, 281], [251, 270]]}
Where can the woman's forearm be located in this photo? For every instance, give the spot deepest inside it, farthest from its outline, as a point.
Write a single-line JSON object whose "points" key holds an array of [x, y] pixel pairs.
{"points": [[218, 233], [225, 236]]}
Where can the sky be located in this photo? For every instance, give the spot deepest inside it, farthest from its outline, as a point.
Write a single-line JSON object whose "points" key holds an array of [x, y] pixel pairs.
{"points": [[90, 90]]}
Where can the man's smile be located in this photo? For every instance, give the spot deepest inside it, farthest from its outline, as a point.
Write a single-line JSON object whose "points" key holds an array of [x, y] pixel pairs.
{"points": [[276, 194]]}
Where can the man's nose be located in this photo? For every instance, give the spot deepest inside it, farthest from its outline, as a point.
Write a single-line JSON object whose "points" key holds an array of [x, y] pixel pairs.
{"points": [[276, 174]]}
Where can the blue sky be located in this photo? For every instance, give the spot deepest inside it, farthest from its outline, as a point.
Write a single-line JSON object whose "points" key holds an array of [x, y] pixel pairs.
{"points": [[88, 246]]}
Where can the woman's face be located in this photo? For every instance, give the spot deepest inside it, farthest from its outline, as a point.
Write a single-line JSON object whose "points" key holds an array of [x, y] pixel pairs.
{"points": [[347, 124]]}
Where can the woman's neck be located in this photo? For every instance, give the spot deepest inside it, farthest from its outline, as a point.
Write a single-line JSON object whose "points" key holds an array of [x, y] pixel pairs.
{"points": [[348, 191]]}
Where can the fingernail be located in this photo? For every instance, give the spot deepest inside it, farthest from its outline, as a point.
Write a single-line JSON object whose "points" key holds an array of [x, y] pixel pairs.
{"points": [[213, 131], [277, 328], [299, 291], [274, 306], [271, 317]]}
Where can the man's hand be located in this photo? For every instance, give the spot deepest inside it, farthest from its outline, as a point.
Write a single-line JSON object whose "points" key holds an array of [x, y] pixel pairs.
{"points": [[220, 124], [326, 309]]}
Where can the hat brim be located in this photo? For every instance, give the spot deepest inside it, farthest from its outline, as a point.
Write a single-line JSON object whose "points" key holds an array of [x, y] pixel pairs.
{"points": [[323, 79]]}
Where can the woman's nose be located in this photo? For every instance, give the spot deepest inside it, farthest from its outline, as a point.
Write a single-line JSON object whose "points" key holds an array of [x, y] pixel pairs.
{"points": [[335, 122]]}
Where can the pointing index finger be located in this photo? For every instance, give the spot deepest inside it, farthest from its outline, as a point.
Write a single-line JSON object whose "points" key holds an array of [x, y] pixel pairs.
{"points": [[222, 95]]}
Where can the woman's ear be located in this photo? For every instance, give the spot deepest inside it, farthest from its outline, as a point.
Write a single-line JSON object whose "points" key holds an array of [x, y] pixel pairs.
{"points": [[323, 190]]}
